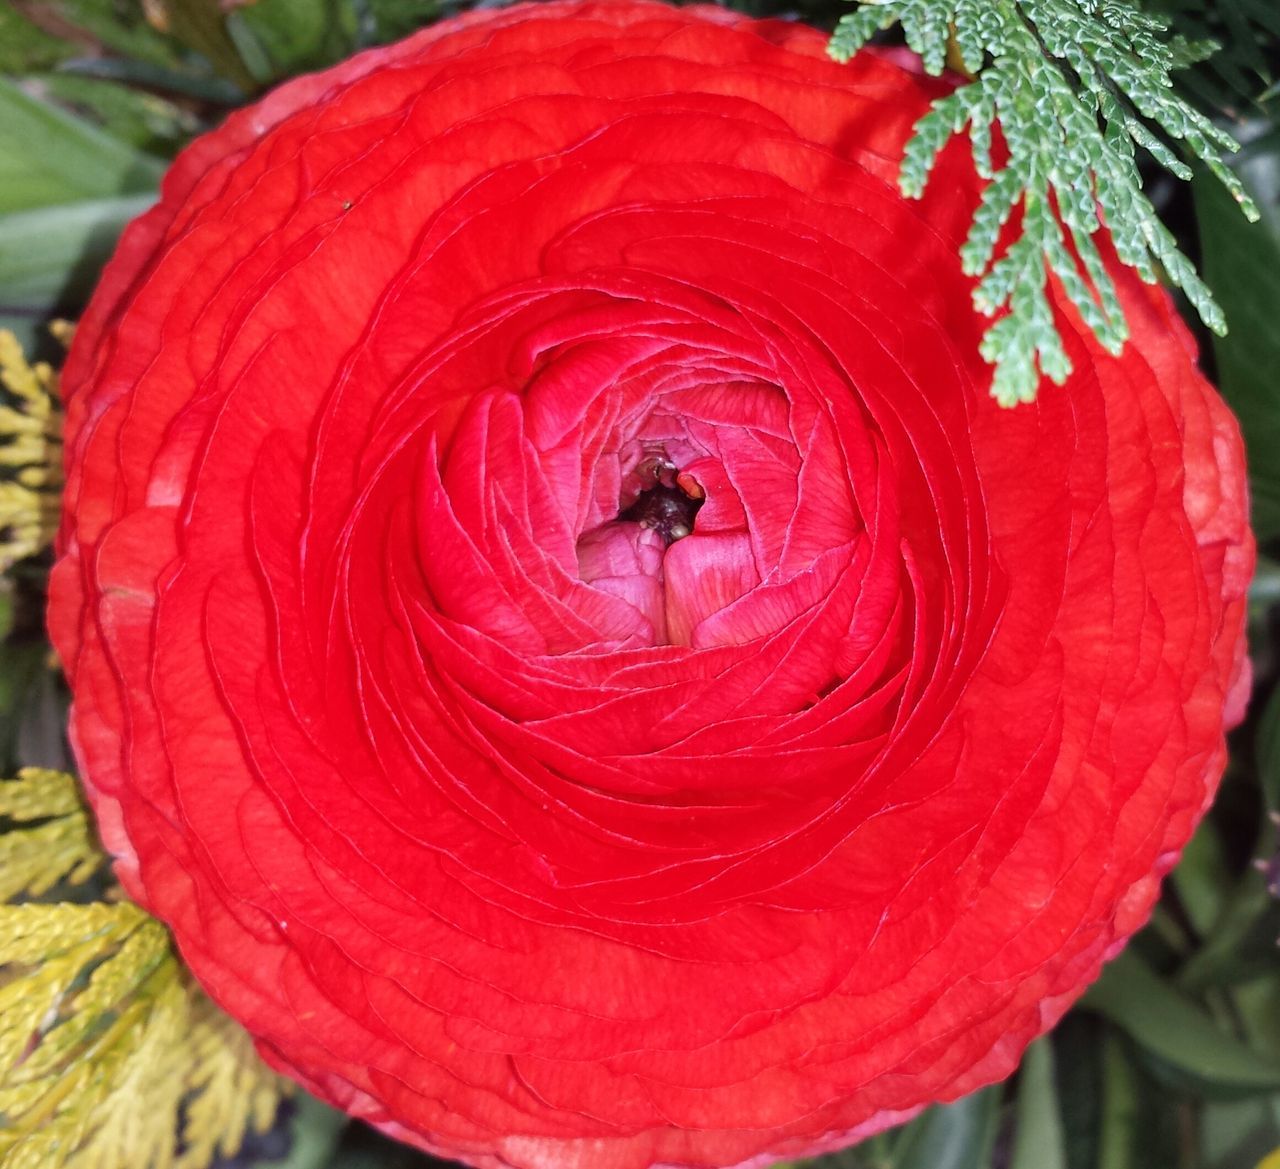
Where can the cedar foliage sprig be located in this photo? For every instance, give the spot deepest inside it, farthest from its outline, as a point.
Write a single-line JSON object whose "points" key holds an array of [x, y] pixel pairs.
{"points": [[110, 1056], [30, 452], [1075, 86], [1244, 39]]}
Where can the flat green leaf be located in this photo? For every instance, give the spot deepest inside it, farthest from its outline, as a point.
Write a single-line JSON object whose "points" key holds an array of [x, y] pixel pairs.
{"points": [[1242, 944], [1038, 1139], [24, 47], [278, 38], [951, 1136], [202, 25], [50, 258], [316, 1130], [1258, 1004], [49, 157], [362, 1147], [1238, 1134], [1173, 1029], [118, 28], [203, 86], [1118, 1130], [1203, 877], [392, 19], [1242, 264], [1077, 1072], [20, 665], [143, 120], [1268, 750], [1138, 1123]]}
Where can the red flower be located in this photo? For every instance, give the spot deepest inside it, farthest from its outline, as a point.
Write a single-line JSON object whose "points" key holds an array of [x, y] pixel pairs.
{"points": [[503, 812]]}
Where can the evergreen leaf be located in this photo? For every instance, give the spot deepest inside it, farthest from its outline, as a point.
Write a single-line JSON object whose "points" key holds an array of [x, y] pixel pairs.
{"points": [[30, 459], [38, 793], [1075, 88], [49, 840], [109, 1053], [234, 1094]]}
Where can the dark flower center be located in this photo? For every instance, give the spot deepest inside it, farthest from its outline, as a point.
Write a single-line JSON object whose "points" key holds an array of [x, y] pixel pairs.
{"points": [[668, 506]]}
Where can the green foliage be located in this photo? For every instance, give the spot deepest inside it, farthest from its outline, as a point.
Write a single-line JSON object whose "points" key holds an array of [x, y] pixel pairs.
{"points": [[1076, 87], [49, 157], [1242, 262], [1192, 1048], [25, 46], [952, 1136], [104, 92], [150, 124], [50, 258], [1246, 36], [30, 461], [1038, 1138], [104, 26], [53, 843], [387, 20], [110, 1057], [201, 26], [278, 38], [67, 187]]}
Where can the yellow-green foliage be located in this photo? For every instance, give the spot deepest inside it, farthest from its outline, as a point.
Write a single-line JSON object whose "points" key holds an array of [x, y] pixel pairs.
{"points": [[110, 1056], [30, 453], [49, 839]]}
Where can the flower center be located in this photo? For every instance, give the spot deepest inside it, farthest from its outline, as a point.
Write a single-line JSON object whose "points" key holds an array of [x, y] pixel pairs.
{"points": [[667, 505], [644, 555]]}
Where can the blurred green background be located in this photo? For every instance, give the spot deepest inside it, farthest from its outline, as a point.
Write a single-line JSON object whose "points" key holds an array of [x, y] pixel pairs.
{"points": [[1173, 1060]]}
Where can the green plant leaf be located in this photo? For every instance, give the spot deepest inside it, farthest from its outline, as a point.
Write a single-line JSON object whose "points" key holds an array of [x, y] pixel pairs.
{"points": [[1076, 87], [201, 25], [1118, 1119], [362, 1147], [20, 664], [1268, 750], [1038, 1139], [1077, 1072], [1238, 1134], [108, 25], [1242, 943], [1170, 1027], [49, 157], [144, 75], [388, 20], [951, 1136], [1242, 263], [279, 38], [1245, 34], [1203, 878], [24, 47], [50, 257], [316, 1130], [145, 121], [1137, 1123]]}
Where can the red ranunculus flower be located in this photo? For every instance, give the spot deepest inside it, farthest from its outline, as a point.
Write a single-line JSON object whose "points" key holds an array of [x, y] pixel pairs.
{"points": [[502, 811]]}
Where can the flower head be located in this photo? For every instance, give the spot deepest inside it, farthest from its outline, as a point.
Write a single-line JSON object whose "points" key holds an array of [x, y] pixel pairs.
{"points": [[560, 630]]}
